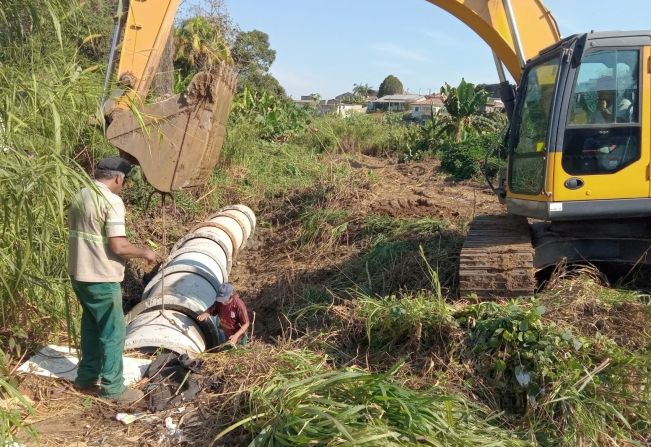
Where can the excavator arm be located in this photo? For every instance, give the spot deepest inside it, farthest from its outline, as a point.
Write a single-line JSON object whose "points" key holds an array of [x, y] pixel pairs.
{"points": [[176, 141], [516, 30]]}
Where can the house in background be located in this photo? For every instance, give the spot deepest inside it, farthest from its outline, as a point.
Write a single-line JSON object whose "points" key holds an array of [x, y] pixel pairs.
{"points": [[340, 105], [347, 98], [494, 105], [394, 103], [422, 110], [335, 107]]}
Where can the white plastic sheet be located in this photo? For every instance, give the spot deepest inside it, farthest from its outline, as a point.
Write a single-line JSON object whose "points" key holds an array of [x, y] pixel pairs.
{"points": [[61, 362]]}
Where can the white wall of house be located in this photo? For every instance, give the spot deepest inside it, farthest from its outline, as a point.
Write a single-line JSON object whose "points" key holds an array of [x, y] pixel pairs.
{"points": [[422, 112]]}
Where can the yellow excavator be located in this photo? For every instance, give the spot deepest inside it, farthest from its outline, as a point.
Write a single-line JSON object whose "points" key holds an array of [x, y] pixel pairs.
{"points": [[578, 182]]}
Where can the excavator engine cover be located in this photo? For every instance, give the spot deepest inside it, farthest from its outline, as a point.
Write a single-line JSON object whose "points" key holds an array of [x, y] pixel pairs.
{"points": [[177, 141]]}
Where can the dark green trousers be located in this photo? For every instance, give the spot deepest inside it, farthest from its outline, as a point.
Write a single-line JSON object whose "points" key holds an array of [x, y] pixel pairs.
{"points": [[102, 336]]}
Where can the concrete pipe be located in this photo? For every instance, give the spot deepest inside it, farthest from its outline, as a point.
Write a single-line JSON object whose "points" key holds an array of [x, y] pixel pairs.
{"points": [[187, 283]]}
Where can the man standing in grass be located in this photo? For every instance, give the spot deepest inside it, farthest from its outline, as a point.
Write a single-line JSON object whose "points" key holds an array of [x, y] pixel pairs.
{"points": [[98, 248]]}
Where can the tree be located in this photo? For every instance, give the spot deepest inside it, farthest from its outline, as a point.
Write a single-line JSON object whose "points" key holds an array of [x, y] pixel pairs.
{"points": [[253, 57], [391, 86], [260, 81], [252, 50], [464, 104], [199, 44], [362, 90]]}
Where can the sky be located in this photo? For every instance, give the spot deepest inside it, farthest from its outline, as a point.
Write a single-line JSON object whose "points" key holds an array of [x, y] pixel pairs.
{"points": [[326, 46]]}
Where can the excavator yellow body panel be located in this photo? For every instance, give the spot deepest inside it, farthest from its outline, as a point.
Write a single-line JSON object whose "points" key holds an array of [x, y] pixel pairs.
{"points": [[148, 26]]}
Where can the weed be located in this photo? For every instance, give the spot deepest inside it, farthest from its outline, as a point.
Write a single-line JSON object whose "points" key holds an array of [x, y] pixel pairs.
{"points": [[13, 408], [324, 227], [353, 407], [570, 391]]}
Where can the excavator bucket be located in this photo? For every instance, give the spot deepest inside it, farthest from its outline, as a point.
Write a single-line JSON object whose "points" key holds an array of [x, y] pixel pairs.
{"points": [[177, 141]]}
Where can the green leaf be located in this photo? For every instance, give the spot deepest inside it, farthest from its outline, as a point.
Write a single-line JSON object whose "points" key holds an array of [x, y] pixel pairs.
{"points": [[500, 365]]}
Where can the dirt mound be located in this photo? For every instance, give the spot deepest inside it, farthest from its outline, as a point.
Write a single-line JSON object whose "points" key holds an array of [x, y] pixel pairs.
{"points": [[419, 189]]}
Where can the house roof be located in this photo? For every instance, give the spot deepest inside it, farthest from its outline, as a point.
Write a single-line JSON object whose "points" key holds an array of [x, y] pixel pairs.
{"points": [[432, 101], [344, 95], [400, 98]]}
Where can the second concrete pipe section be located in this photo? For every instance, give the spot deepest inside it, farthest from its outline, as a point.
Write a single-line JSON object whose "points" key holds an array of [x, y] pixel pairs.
{"points": [[186, 285]]}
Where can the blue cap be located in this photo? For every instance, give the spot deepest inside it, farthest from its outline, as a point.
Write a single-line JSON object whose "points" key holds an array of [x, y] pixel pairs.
{"points": [[224, 292]]}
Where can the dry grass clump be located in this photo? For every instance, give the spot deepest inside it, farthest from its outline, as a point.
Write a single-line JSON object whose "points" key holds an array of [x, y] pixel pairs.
{"points": [[581, 300]]}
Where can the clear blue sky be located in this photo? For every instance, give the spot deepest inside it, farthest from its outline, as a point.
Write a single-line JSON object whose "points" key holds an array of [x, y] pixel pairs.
{"points": [[325, 46]]}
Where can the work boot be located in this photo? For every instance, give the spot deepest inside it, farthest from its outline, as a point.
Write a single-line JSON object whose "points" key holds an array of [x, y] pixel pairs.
{"points": [[92, 388], [129, 396]]}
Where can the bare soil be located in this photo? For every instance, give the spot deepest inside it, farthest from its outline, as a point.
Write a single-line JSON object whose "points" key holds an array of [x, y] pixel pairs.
{"points": [[272, 270], [269, 274]]}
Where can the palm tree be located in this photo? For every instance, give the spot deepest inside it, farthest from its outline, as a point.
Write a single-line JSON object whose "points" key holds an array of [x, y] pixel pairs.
{"points": [[362, 90], [200, 44], [464, 104]]}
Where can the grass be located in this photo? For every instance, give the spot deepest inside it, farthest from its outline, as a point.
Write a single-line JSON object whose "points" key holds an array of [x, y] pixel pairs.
{"points": [[49, 90], [571, 367], [559, 381], [353, 407], [324, 227], [393, 260], [358, 133]]}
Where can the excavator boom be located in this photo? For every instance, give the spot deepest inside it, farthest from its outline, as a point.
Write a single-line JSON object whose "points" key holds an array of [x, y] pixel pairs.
{"points": [[516, 30]]}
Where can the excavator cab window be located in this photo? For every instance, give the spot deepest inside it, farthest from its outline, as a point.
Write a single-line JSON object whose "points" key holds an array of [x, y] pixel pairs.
{"points": [[603, 129], [527, 164]]}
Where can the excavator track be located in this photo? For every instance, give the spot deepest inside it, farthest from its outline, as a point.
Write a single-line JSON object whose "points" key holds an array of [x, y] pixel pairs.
{"points": [[497, 258]]}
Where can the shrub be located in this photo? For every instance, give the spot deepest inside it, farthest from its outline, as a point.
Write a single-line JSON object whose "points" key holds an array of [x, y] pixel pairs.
{"points": [[572, 391], [276, 118], [464, 160]]}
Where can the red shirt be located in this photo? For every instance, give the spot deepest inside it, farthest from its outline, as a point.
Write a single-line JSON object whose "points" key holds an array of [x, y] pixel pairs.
{"points": [[232, 315]]}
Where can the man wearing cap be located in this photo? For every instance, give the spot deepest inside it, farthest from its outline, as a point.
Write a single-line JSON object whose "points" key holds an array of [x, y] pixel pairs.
{"points": [[232, 313], [607, 111], [97, 250]]}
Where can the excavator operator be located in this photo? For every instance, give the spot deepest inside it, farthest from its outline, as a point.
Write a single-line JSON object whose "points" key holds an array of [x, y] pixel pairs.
{"points": [[607, 111]]}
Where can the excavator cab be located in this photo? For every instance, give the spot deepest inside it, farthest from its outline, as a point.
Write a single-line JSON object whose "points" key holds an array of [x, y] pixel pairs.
{"points": [[578, 149], [578, 179]]}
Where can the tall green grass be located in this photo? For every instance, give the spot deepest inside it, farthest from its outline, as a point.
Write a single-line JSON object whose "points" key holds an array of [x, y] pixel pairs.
{"points": [[49, 87], [351, 407], [49, 90], [357, 133]]}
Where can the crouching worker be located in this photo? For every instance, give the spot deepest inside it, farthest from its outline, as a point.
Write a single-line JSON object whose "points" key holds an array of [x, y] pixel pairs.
{"points": [[232, 313], [97, 250]]}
